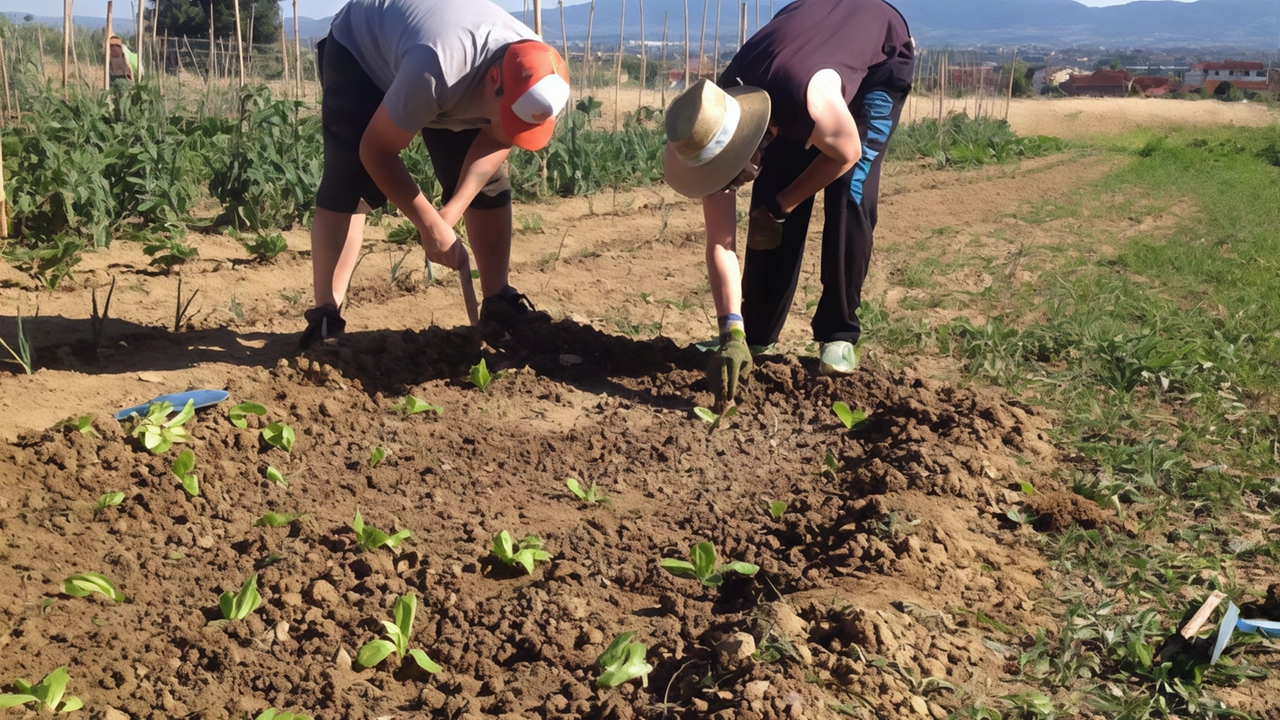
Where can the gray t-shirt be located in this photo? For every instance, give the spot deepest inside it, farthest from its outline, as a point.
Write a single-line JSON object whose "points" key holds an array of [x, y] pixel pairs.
{"points": [[428, 56]]}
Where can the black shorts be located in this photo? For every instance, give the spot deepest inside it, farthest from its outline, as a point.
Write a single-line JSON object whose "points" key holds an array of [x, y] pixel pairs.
{"points": [[349, 100]]}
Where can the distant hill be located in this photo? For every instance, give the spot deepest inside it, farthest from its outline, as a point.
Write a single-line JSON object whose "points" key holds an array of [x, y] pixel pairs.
{"points": [[957, 23]]}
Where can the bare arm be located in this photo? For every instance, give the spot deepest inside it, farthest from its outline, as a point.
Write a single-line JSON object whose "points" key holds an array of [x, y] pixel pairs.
{"points": [[485, 157], [835, 134], [719, 211]]}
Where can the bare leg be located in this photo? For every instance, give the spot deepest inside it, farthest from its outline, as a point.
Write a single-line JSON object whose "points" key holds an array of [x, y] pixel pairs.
{"points": [[490, 235], [335, 248]]}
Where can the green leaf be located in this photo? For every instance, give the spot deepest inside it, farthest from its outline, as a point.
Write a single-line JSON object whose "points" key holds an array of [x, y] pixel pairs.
{"points": [[706, 415], [777, 509], [831, 462], [679, 568], [85, 584], [616, 650], [276, 477], [403, 611], [184, 463], [374, 652], [71, 703], [279, 435], [84, 424], [377, 456], [240, 605], [109, 500], [703, 556], [1027, 488], [713, 580], [504, 547], [480, 376], [411, 405], [51, 689], [274, 519], [843, 412], [237, 414], [739, 567], [632, 665], [575, 488], [8, 700], [188, 411], [423, 661]]}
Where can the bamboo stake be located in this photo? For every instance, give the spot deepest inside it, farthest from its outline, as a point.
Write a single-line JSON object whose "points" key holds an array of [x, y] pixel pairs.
{"points": [[757, 15], [1013, 70], [524, 14], [17, 101], [162, 64], [297, 55], [666, 80], [140, 32], [715, 63], [537, 17], [617, 78], [155, 25], [644, 61], [702, 43], [686, 44], [284, 55], [213, 55], [742, 25], [564, 35], [106, 50], [40, 49], [66, 43], [4, 200], [586, 53], [75, 57], [252, 11], [239, 42], [4, 77]]}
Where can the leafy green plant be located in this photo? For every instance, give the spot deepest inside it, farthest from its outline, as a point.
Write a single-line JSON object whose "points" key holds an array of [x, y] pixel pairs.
{"points": [[777, 509], [277, 477], [108, 500], [370, 538], [49, 694], [278, 435], [238, 414], [273, 714], [591, 496], [157, 432], [849, 418], [182, 467], [85, 584], [275, 519], [23, 353], [398, 634], [831, 463], [168, 252], [526, 553], [480, 376], [376, 457], [403, 234], [411, 405], [241, 604], [622, 661], [702, 566], [84, 425], [713, 420], [265, 247]]}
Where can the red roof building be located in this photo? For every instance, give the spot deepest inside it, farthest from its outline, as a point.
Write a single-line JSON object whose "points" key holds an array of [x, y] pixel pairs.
{"points": [[1152, 85], [1243, 74], [1101, 83]]}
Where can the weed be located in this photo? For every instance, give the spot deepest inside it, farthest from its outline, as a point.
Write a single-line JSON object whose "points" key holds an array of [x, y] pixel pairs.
{"points": [[531, 224], [369, 538], [702, 566], [237, 415], [159, 434], [665, 212], [236, 309], [82, 425], [23, 354], [275, 520], [589, 497], [849, 418], [241, 604], [167, 253], [712, 420], [403, 234], [48, 694], [832, 464], [85, 584], [97, 321], [265, 247], [278, 435], [525, 553], [181, 308], [182, 467], [480, 376], [411, 405], [292, 298], [109, 500], [623, 661], [777, 509], [376, 457], [398, 634]]}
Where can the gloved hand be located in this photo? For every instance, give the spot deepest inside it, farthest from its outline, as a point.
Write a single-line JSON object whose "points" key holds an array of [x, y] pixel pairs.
{"points": [[729, 365], [764, 231]]}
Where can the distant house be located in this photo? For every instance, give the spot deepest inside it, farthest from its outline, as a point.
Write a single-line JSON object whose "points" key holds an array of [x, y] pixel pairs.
{"points": [[1100, 83], [1244, 74], [1152, 85]]}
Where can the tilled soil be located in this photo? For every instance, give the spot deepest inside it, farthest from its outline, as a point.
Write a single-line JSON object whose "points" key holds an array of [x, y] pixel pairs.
{"points": [[870, 582]]}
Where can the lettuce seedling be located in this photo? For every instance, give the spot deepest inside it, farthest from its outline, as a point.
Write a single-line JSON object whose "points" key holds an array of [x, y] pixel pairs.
{"points": [[398, 634], [273, 714], [526, 553], [371, 538], [623, 660], [708, 416], [237, 414], [377, 456], [832, 463], [849, 418], [411, 405], [590, 496], [704, 568], [86, 584], [109, 500], [159, 434], [238, 606], [480, 376], [279, 435], [49, 694], [84, 424], [182, 467], [275, 519], [777, 509], [277, 477]]}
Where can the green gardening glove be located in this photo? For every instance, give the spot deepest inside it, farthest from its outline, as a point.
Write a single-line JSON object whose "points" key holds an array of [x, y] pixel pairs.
{"points": [[730, 364], [764, 231]]}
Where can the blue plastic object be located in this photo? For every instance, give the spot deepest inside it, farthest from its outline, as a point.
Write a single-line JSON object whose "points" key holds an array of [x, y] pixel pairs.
{"points": [[1231, 622], [202, 398]]}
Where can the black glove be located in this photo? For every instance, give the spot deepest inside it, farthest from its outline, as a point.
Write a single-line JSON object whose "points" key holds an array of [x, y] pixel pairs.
{"points": [[764, 232], [730, 364]]}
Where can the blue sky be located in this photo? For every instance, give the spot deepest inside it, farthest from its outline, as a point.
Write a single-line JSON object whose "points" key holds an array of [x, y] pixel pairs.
{"points": [[306, 8]]}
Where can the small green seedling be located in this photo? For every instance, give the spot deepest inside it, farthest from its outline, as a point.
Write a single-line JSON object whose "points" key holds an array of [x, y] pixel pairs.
{"points": [[525, 553], [371, 538], [709, 416], [275, 519], [277, 477], [159, 434], [240, 605], [279, 435], [109, 500], [377, 456], [623, 660], [411, 405], [237, 414], [49, 694], [704, 568], [1021, 515], [777, 509], [398, 634], [273, 714], [84, 424], [849, 418], [1027, 488], [832, 463], [86, 584], [480, 376], [182, 467], [590, 496]]}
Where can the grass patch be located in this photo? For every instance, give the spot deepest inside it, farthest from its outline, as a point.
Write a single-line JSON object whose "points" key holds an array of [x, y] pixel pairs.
{"points": [[964, 142]]}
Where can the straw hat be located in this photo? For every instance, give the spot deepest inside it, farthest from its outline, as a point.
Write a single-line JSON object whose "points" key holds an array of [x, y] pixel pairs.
{"points": [[711, 135]]}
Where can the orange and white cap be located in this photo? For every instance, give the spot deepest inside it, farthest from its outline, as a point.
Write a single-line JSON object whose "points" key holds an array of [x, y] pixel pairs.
{"points": [[535, 89]]}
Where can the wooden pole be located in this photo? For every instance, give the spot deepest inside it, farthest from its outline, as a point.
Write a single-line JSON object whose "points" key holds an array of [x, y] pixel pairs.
{"points": [[75, 58], [757, 15], [155, 25], [235, 4], [715, 64], [702, 43], [617, 78], [586, 53], [4, 200], [524, 14], [1013, 70], [106, 51], [66, 43], [4, 77], [644, 70], [537, 17], [40, 49], [686, 44], [162, 63], [297, 55], [141, 33], [564, 34], [666, 80], [213, 53], [252, 12], [284, 55], [742, 25]]}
